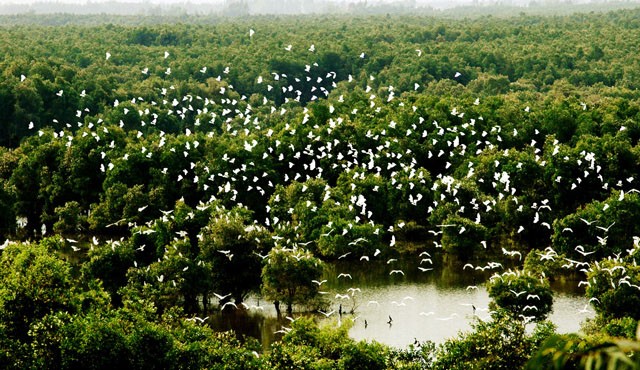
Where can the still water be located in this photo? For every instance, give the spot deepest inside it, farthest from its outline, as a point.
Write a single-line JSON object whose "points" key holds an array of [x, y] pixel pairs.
{"points": [[423, 305]]}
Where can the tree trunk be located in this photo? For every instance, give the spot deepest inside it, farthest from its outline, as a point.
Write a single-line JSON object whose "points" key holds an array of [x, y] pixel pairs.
{"points": [[277, 305]]}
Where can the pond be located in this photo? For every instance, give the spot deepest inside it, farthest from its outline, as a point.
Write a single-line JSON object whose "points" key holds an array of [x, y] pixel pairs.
{"points": [[423, 305]]}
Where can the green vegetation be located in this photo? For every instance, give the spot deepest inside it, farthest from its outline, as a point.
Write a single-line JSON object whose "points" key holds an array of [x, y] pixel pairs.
{"points": [[523, 296], [288, 277], [501, 343], [153, 175]]}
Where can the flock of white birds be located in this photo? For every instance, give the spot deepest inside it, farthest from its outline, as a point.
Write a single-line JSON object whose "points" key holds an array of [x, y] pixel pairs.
{"points": [[350, 159]]}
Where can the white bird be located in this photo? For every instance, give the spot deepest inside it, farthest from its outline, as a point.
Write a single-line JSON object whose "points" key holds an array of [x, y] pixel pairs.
{"points": [[606, 229], [601, 240], [588, 222], [344, 255], [580, 249], [327, 314], [447, 318], [221, 297], [228, 304], [585, 309], [526, 319], [512, 253], [358, 241], [396, 272]]}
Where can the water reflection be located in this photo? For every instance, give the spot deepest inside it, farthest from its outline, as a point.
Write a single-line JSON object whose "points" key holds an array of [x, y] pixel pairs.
{"points": [[423, 305], [246, 323]]}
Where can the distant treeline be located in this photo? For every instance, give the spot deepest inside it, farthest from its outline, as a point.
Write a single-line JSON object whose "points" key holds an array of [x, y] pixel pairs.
{"points": [[170, 12]]}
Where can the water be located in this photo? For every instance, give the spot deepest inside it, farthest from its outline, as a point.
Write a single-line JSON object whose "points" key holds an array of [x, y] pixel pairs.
{"points": [[432, 305], [436, 314]]}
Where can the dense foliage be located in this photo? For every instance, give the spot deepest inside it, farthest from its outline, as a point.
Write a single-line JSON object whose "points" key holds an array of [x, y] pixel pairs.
{"points": [[523, 296], [155, 173]]}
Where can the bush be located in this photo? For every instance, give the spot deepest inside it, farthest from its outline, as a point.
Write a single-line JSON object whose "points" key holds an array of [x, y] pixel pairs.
{"points": [[523, 296], [501, 343], [463, 238]]}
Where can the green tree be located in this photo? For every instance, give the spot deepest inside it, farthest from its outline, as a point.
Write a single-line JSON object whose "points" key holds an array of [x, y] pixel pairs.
{"points": [[109, 263], [232, 246], [70, 219], [570, 351], [7, 212], [523, 296], [462, 236], [134, 340], [307, 346], [287, 277], [601, 228], [35, 283], [500, 343], [615, 286], [547, 264]]}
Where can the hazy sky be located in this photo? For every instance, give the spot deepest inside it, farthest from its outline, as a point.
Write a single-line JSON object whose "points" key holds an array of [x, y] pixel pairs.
{"points": [[419, 2], [438, 4]]}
